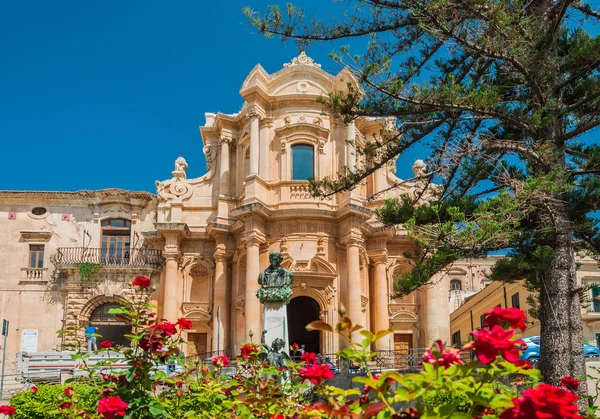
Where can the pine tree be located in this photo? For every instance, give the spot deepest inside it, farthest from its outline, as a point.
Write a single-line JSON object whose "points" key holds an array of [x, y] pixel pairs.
{"points": [[502, 93]]}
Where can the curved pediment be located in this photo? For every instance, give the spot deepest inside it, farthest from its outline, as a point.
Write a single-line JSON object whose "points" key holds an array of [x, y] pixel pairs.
{"points": [[300, 85], [403, 313]]}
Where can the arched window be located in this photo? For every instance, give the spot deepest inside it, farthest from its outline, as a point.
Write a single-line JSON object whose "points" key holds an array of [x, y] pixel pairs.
{"points": [[302, 162], [455, 285], [116, 238]]}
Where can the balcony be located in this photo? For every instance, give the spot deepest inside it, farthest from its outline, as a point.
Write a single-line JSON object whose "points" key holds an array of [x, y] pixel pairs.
{"points": [[70, 257], [33, 275]]}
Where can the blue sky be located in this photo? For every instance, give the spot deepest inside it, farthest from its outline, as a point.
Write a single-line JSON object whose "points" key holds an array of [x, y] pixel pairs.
{"points": [[108, 94]]}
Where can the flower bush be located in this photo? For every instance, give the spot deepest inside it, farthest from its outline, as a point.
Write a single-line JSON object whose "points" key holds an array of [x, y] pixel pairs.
{"points": [[497, 385]]}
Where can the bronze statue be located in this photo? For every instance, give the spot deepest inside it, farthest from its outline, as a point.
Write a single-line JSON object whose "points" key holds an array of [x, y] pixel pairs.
{"points": [[274, 356], [275, 281]]}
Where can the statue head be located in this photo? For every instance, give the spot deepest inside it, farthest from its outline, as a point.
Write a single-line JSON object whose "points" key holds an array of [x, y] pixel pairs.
{"points": [[275, 258], [277, 345]]}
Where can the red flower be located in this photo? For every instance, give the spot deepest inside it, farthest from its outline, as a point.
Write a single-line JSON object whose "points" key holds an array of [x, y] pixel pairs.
{"points": [[521, 363], [184, 323], [150, 344], [8, 410], [68, 391], [316, 373], [106, 344], [65, 405], [34, 389], [309, 358], [514, 317], [295, 347], [248, 351], [167, 328], [279, 416], [544, 402], [442, 357], [569, 383], [221, 361], [111, 407], [141, 281], [489, 342]]}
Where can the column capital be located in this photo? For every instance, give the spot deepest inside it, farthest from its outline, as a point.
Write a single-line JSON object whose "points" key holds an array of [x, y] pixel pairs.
{"points": [[353, 238], [255, 112], [253, 238], [225, 140], [171, 255], [378, 257]]}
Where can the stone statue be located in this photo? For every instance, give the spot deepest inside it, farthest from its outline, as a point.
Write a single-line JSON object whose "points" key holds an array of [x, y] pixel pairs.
{"points": [[419, 168], [274, 356], [275, 281], [180, 165]]}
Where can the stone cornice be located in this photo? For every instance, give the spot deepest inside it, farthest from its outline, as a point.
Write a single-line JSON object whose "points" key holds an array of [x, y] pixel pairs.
{"points": [[36, 236], [111, 194]]}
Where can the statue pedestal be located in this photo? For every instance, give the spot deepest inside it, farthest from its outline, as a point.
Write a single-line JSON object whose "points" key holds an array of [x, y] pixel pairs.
{"points": [[275, 324]]}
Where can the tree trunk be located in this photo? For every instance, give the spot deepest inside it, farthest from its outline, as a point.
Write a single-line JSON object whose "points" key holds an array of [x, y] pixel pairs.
{"points": [[560, 312]]}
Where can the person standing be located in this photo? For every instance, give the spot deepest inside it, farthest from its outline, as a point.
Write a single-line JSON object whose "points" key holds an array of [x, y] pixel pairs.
{"points": [[90, 331]]}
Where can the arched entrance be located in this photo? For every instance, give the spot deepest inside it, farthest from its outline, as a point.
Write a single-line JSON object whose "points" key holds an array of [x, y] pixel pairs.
{"points": [[109, 326], [301, 311]]}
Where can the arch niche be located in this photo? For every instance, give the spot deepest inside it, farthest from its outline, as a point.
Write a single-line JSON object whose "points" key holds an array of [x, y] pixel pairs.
{"points": [[109, 325]]}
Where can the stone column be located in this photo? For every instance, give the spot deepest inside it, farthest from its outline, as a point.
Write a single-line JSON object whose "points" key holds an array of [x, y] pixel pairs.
{"points": [[380, 294], [252, 304], [437, 310], [350, 146], [254, 142], [220, 329], [170, 296], [224, 167], [380, 177], [354, 285]]}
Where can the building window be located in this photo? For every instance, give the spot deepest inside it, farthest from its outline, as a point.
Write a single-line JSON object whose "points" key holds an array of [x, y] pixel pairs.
{"points": [[482, 320], [456, 338], [455, 285], [302, 162], [516, 303], [116, 238], [39, 211], [36, 255], [596, 298]]}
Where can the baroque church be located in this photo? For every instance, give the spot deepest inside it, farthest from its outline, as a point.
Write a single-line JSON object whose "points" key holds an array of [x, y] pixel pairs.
{"points": [[68, 257]]}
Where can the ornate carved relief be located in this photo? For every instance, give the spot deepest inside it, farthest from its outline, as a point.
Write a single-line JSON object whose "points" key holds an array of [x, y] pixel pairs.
{"points": [[240, 304], [302, 59], [193, 310], [364, 303]]}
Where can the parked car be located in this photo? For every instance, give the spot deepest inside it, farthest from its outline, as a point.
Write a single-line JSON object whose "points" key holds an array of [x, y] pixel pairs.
{"points": [[532, 353]]}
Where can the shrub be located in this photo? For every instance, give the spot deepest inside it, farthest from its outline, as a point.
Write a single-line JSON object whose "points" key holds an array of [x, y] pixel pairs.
{"points": [[30, 405], [495, 386]]}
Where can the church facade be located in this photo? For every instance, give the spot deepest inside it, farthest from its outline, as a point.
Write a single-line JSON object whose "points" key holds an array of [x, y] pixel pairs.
{"points": [[216, 231]]}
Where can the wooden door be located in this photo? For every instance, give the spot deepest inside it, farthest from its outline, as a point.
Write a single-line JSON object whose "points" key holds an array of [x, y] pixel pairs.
{"points": [[197, 344], [402, 347]]}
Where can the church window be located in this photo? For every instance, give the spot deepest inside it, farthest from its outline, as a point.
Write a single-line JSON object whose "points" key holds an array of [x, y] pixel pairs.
{"points": [[455, 285], [302, 162]]}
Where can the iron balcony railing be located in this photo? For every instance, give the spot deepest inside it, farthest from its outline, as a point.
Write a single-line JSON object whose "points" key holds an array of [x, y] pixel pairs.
{"points": [[66, 256]]}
